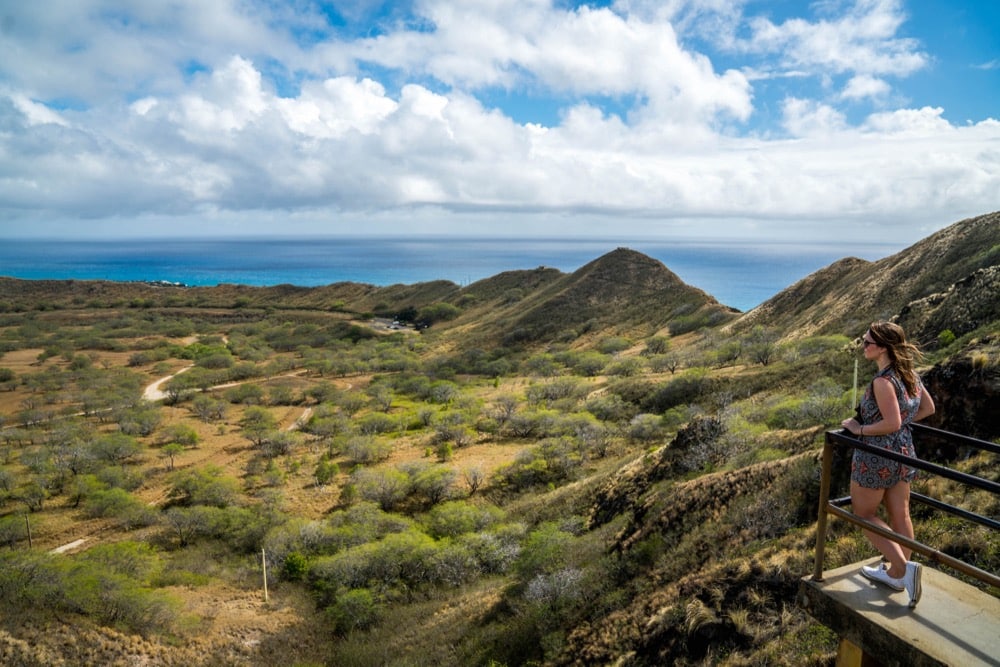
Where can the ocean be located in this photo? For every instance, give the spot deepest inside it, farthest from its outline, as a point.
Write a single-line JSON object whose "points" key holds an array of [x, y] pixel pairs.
{"points": [[738, 274]]}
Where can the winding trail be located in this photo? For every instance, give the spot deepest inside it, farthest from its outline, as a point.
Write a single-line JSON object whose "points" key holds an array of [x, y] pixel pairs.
{"points": [[153, 391], [303, 418]]}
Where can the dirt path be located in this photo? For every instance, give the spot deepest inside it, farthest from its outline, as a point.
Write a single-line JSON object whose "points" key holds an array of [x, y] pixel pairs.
{"points": [[71, 545], [153, 391], [303, 418]]}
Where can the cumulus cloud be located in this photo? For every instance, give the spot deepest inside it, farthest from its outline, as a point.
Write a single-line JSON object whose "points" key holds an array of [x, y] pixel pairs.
{"points": [[113, 109], [864, 39], [864, 85]]}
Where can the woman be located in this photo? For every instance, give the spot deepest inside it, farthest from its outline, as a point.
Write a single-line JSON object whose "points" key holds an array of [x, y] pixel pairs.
{"points": [[895, 398]]}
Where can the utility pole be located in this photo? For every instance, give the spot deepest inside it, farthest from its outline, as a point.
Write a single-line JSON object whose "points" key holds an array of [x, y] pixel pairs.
{"points": [[263, 562]]}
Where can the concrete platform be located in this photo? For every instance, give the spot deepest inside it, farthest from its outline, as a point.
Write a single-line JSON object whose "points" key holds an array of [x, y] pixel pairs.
{"points": [[954, 624]]}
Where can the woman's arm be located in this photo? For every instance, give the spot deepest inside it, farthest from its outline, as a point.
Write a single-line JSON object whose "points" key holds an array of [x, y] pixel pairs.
{"points": [[926, 408]]}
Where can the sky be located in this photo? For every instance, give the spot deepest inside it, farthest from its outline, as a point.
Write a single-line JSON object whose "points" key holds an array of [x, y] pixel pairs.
{"points": [[830, 121]]}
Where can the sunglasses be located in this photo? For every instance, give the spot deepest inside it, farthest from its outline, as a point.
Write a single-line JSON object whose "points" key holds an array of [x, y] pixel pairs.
{"points": [[865, 342]]}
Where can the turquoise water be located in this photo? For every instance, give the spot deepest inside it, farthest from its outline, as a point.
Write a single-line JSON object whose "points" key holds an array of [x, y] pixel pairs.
{"points": [[741, 275]]}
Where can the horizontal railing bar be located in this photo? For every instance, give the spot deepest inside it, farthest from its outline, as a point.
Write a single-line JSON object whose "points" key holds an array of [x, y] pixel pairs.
{"points": [[933, 554], [957, 511], [936, 504], [920, 464], [957, 438]]}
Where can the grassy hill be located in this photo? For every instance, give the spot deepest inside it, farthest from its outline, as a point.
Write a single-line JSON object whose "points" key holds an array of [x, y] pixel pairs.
{"points": [[623, 293], [602, 467], [849, 294]]}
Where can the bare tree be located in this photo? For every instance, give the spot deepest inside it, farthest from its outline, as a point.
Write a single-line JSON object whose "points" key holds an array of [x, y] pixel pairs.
{"points": [[474, 478]]}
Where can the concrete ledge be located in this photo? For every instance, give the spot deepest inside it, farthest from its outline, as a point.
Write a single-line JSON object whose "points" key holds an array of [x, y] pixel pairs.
{"points": [[954, 623]]}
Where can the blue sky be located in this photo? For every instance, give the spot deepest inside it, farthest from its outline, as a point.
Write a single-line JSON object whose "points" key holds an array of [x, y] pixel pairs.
{"points": [[874, 120]]}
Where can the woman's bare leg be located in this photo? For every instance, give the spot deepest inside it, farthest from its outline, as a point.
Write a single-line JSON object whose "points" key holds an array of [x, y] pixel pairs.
{"points": [[897, 505], [865, 504]]}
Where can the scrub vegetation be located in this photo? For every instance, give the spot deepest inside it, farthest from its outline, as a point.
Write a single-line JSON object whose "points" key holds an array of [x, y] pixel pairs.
{"points": [[429, 476]]}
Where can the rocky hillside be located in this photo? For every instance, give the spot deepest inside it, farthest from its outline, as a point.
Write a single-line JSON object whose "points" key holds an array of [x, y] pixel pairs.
{"points": [[943, 282], [966, 386]]}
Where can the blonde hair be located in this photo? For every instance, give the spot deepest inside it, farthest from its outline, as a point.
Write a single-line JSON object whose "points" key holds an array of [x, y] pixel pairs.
{"points": [[903, 355]]}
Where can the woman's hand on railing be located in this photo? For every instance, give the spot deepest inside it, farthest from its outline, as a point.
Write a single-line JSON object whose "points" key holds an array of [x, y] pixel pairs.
{"points": [[851, 426]]}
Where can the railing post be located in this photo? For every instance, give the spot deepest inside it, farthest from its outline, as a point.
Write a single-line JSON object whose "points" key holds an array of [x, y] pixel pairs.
{"points": [[824, 500]]}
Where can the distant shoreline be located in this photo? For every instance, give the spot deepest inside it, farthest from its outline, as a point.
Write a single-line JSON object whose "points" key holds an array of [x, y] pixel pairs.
{"points": [[738, 275]]}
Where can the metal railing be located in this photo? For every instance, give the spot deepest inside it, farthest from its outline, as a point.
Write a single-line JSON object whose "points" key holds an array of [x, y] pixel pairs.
{"points": [[835, 506]]}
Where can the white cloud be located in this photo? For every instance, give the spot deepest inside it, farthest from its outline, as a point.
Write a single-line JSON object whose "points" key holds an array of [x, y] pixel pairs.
{"points": [[807, 117], [226, 101], [863, 86], [512, 43], [183, 114], [35, 113], [862, 40], [333, 107], [926, 121]]}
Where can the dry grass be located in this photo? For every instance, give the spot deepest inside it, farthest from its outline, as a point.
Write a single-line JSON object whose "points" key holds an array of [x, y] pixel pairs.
{"points": [[699, 571], [223, 619], [224, 625]]}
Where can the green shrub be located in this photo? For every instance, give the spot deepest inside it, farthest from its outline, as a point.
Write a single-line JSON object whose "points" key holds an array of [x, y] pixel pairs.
{"points": [[786, 413], [137, 560], [434, 483], [326, 470], [32, 580], [294, 567], [207, 485], [552, 461], [246, 394], [12, 530], [613, 344], [111, 586], [686, 388], [645, 428], [121, 505], [116, 448], [365, 449], [398, 559], [354, 610], [611, 407], [546, 550], [385, 487], [376, 423], [457, 517], [554, 390]]}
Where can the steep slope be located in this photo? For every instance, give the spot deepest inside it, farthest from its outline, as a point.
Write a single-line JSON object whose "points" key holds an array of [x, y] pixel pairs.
{"points": [[849, 294], [965, 306]]}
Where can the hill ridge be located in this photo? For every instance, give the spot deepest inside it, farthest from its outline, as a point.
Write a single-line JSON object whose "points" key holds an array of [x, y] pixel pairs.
{"points": [[848, 294]]}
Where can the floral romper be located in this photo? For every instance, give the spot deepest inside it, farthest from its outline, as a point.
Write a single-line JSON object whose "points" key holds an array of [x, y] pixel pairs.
{"points": [[875, 472]]}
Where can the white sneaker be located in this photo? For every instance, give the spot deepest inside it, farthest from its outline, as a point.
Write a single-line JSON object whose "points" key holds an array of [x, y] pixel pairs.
{"points": [[911, 580], [880, 573]]}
